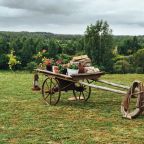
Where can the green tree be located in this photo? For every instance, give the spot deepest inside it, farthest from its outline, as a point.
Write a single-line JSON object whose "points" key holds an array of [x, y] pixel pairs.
{"points": [[139, 59], [70, 47], [26, 53], [129, 46], [99, 44], [53, 48], [4, 50], [122, 66]]}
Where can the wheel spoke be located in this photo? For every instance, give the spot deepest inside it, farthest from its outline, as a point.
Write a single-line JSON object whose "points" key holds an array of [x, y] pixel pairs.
{"points": [[46, 96], [47, 84], [82, 92]]}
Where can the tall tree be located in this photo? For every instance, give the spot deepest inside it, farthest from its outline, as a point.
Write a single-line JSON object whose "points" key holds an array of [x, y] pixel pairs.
{"points": [[4, 50], [139, 59], [99, 44], [53, 48]]}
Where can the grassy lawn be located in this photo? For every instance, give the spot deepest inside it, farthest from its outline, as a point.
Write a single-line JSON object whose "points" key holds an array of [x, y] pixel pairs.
{"points": [[24, 118]]}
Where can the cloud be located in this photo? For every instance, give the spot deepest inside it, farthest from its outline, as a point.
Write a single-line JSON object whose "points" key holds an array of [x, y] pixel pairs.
{"points": [[62, 7], [65, 16]]}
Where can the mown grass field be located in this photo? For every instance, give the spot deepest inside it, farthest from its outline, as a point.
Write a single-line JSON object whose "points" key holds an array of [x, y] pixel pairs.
{"points": [[25, 119]]}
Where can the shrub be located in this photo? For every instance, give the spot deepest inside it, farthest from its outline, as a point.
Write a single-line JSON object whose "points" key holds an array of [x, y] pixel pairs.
{"points": [[122, 66], [13, 61], [31, 66], [139, 58], [139, 70]]}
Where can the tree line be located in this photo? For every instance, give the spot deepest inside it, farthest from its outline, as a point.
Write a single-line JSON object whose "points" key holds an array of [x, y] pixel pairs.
{"points": [[115, 54]]}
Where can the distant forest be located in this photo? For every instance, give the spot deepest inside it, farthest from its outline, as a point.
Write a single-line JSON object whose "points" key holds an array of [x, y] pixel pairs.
{"points": [[127, 51]]}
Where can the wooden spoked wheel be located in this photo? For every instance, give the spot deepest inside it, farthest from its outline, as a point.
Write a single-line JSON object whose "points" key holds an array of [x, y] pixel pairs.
{"points": [[82, 92], [77, 91], [50, 91], [132, 104]]}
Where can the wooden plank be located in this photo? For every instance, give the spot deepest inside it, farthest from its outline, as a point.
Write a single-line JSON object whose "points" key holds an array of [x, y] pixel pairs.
{"points": [[76, 58]]}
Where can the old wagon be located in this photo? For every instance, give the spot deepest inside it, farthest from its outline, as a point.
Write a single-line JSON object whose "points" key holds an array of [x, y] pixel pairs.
{"points": [[81, 84]]}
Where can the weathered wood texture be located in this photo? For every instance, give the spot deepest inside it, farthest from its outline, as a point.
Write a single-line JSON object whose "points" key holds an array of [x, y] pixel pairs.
{"points": [[73, 78]]}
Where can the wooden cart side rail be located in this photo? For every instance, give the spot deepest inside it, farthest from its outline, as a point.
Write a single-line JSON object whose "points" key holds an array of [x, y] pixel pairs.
{"points": [[56, 75], [72, 78]]}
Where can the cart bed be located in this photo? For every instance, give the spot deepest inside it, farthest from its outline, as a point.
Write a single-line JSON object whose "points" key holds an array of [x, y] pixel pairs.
{"points": [[74, 77]]}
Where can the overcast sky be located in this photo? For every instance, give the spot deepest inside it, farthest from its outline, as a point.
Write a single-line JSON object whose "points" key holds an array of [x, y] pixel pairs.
{"points": [[125, 17]]}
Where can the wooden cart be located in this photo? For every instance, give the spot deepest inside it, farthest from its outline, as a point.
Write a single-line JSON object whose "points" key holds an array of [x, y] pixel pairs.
{"points": [[81, 85], [55, 83]]}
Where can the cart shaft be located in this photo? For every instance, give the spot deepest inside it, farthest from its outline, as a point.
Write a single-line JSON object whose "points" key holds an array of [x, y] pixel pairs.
{"points": [[104, 88], [114, 84]]}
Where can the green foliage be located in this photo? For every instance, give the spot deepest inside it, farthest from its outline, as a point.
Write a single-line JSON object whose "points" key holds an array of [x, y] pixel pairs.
{"points": [[64, 57], [31, 66], [4, 61], [39, 57], [139, 70], [98, 44], [139, 59], [73, 66], [122, 66], [61, 68], [28, 45], [12, 60], [70, 47], [129, 46], [53, 48]]}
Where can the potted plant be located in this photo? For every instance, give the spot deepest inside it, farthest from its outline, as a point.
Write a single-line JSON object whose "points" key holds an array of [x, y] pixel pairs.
{"points": [[56, 66], [72, 69], [48, 63], [62, 68]]}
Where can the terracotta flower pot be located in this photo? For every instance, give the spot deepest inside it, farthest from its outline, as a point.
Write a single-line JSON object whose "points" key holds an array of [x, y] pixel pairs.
{"points": [[55, 69]]}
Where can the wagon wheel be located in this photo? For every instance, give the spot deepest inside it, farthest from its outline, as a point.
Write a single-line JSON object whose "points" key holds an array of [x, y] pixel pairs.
{"points": [[82, 92], [51, 91], [76, 93], [133, 103]]}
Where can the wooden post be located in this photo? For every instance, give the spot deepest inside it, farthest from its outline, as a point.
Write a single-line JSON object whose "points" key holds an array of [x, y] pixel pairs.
{"points": [[35, 83]]}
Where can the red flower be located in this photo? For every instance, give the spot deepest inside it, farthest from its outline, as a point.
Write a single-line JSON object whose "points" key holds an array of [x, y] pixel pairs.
{"points": [[59, 62], [47, 62]]}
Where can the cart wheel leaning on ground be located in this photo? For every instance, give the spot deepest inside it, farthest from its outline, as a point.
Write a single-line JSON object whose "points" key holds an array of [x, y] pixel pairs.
{"points": [[133, 103], [82, 92], [50, 91]]}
